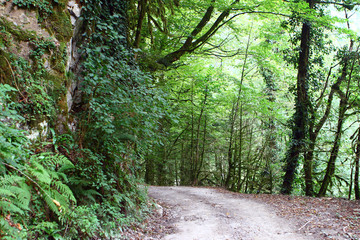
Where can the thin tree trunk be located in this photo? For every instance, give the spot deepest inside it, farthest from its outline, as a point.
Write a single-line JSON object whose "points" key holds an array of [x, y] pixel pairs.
{"points": [[351, 181], [308, 163], [230, 149], [197, 144], [330, 169], [270, 138], [203, 147], [240, 147], [142, 12], [192, 161], [234, 113], [356, 177]]}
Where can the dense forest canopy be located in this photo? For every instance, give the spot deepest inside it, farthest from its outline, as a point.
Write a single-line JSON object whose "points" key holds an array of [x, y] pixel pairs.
{"points": [[99, 96], [259, 89]]}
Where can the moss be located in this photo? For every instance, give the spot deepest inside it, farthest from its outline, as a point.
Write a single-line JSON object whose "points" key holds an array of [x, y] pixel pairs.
{"points": [[59, 58], [63, 3], [58, 81], [17, 32], [5, 71], [59, 24]]}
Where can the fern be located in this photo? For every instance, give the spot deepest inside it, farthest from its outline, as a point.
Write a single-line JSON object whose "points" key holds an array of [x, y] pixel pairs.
{"points": [[17, 198], [39, 172], [65, 190], [8, 207], [56, 193]]}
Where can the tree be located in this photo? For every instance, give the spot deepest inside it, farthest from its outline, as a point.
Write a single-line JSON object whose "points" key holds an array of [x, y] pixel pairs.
{"points": [[300, 121]]}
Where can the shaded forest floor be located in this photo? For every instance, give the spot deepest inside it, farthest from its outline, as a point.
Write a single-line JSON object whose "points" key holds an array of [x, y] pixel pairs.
{"points": [[320, 218], [325, 218]]}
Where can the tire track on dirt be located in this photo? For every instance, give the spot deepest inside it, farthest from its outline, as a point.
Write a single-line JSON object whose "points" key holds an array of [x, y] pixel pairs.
{"points": [[204, 214]]}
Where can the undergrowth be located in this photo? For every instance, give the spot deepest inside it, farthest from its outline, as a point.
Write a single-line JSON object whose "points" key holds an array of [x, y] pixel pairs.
{"points": [[83, 184]]}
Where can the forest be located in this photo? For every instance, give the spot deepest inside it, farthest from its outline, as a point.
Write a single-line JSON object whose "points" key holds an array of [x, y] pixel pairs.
{"points": [[100, 98]]}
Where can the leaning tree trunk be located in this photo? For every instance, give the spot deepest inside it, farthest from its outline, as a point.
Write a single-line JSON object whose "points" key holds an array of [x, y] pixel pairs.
{"points": [[330, 169], [343, 107]]}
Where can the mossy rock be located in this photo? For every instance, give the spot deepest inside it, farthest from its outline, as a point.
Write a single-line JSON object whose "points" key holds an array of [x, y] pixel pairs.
{"points": [[58, 81], [17, 32], [5, 70], [59, 58], [59, 24]]}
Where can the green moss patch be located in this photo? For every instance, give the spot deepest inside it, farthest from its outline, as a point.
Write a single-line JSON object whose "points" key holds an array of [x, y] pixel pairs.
{"points": [[5, 70], [17, 32], [59, 24]]}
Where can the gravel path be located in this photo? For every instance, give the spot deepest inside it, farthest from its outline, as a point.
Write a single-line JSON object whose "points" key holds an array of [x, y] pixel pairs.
{"points": [[204, 214]]}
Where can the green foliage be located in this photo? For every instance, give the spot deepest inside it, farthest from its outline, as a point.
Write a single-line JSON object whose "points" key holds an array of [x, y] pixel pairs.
{"points": [[86, 222], [29, 182], [12, 140], [34, 99], [38, 89], [40, 182], [42, 5], [121, 99]]}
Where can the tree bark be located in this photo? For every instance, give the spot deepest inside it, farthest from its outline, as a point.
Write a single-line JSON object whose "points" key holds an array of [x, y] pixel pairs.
{"points": [[300, 122], [330, 169], [230, 149], [356, 177], [142, 12]]}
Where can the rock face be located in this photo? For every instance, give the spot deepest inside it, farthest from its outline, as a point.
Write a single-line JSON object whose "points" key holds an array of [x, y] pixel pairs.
{"points": [[73, 95], [56, 32], [23, 18]]}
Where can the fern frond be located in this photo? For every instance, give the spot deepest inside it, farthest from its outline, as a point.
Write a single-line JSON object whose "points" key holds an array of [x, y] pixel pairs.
{"points": [[65, 167], [5, 193], [7, 206], [38, 171], [10, 179], [50, 202], [64, 190]]}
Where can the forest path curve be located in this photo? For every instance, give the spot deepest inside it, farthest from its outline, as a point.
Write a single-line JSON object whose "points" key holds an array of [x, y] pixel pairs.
{"points": [[205, 214]]}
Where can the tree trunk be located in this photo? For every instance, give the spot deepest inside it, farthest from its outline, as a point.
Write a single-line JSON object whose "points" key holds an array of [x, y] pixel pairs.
{"points": [[142, 12], [239, 160], [270, 143], [308, 163], [300, 122], [330, 169], [203, 146], [356, 177], [230, 149]]}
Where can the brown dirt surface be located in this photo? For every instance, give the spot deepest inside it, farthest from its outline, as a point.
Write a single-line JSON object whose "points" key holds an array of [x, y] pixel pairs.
{"points": [[155, 226], [324, 218], [214, 213], [207, 213]]}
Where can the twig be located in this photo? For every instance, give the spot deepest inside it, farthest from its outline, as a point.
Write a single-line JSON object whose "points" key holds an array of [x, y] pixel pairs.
{"points": [[12, 72], [305, 225]]}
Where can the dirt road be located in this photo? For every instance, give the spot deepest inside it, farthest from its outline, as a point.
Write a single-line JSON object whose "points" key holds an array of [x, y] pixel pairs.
{"points": [[204, 214]]}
